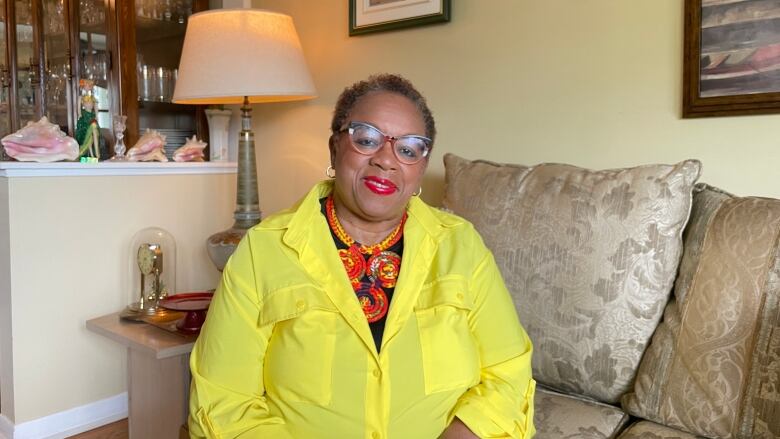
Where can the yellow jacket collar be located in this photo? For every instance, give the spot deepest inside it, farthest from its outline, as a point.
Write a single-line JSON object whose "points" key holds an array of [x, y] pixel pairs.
{"points": [[300, 220]]}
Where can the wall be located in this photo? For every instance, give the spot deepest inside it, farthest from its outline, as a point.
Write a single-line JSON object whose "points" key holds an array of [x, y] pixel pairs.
{"points": [[6, 352], [594, 83], [70, 260]]}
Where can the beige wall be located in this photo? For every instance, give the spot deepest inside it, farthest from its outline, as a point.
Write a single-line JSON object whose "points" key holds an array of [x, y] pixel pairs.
{"points": [[6, 352], [594, 83], [70, 261]]}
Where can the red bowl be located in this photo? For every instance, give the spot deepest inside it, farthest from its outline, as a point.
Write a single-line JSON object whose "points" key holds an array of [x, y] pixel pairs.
{"points": [[194, 304]]}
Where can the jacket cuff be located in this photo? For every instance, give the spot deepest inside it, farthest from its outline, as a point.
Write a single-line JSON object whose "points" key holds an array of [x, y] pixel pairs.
{"points": [[488, 421]]}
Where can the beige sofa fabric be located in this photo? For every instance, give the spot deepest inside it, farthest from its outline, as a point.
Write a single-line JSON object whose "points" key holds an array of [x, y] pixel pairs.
{"points": [[650, 430], [559, 416], [589, 257], [713, 367]]}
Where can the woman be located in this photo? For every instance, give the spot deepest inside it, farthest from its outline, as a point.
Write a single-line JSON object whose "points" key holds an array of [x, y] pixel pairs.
{"points": [[362, 312]]}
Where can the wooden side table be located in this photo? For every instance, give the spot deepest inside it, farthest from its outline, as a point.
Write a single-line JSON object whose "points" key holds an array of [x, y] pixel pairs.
{"points": [[158, 375]]}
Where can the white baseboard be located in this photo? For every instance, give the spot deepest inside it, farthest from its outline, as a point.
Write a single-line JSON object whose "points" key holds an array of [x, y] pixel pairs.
{"points": [[63, 424]]}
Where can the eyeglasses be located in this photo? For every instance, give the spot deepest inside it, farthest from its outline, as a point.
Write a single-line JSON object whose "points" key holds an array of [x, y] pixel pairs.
{"points": [[368, 139]]}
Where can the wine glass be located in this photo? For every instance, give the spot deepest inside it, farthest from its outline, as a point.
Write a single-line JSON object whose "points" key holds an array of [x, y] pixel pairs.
{"points": [[119, 123]]}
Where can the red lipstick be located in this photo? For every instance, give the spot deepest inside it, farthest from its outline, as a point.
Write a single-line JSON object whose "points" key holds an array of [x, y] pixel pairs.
{"points": [[380, 186]]}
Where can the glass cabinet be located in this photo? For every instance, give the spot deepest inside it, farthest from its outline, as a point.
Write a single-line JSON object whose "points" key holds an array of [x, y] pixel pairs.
{"points": [[126, 51], [159, 37]]}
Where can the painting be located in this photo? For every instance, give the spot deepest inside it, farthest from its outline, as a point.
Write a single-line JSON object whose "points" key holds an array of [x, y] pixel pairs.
{"points": [[731, 64], [381, 15]]}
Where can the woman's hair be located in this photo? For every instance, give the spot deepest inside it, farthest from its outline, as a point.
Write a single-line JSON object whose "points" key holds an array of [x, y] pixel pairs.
{"points": [[381, 83]]}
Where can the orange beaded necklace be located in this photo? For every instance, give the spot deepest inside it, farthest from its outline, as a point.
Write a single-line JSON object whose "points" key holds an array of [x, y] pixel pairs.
{"points": [[338, 229], [380, 270]]}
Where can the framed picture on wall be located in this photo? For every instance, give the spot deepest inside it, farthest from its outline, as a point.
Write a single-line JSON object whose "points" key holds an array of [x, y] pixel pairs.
{"points": [[731, 62], [381, 15]]}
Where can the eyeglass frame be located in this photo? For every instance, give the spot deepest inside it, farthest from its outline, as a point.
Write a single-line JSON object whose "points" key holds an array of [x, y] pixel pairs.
{"points": [[349, 127]]}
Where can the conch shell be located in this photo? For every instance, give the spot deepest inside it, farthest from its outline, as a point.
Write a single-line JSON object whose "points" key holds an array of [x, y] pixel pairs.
{"points": [[191, 151], [40, 141], [148, 148]]}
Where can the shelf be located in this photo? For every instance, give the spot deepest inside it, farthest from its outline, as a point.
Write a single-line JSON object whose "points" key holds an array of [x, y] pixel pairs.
{"points": [[97, 28], [74, 169], [164, 106], [149, 29]]}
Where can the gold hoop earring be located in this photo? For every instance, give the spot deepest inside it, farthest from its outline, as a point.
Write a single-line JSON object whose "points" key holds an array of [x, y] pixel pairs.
{"points": [[330, 172], [418, 192]]}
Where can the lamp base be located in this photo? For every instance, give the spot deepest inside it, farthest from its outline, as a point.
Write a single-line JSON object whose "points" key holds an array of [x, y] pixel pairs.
{"points": [[222, 244]]}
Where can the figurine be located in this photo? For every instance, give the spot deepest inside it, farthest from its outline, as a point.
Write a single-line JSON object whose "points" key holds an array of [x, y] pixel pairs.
{"points": [[148, 148], [87, 130], [40, 141], [191, 151]]}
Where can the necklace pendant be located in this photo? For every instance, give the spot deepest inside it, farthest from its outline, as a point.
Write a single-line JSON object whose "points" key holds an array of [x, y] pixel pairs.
{"points": [[383, 268], [373, 300], [353, 262]]}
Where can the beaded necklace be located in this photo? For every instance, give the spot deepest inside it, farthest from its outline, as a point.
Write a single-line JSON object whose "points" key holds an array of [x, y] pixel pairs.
{"points": [[370, 268]]}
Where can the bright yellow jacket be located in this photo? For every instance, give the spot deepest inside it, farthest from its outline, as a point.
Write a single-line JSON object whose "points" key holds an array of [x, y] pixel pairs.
{"points": [[286, 351]]}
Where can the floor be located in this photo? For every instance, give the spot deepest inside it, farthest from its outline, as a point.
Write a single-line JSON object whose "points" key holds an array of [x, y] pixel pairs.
{"points": [[117, 430]]}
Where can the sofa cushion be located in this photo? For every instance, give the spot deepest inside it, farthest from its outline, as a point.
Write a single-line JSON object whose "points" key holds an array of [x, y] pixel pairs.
{"points": [[713, 367], [560, 416], [588, 256], [650, 430]]}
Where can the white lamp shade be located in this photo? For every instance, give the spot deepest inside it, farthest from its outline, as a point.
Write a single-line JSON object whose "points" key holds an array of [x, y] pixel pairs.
{"points": [[232, 53]]}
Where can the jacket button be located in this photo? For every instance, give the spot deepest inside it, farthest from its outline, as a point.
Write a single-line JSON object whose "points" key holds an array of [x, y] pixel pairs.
{"points": [[300, 304], [377, 374], [375, 435], [459, 296]]}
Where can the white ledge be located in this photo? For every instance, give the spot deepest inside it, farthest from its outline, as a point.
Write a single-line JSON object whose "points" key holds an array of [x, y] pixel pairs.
{"points": [[67, 169]]}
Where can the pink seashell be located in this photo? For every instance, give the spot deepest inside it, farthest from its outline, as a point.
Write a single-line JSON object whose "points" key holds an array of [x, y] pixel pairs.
{"points": [[41, 141], [191, 151], [148, 148]]}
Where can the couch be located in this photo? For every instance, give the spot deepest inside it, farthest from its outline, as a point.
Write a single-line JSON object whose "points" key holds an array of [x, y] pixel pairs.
{"points": [[653, 300]]}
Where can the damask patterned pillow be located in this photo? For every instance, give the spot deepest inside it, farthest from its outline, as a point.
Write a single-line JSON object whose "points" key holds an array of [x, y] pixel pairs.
{"points": [[559, 416], [649, 430], [588, 256], [713, 367]]}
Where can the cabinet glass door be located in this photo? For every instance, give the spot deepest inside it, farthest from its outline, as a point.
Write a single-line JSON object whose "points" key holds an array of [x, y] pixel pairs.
{"points": [[5, 81], [27, 79], [56, 54], [160, 26], [95, 63]]}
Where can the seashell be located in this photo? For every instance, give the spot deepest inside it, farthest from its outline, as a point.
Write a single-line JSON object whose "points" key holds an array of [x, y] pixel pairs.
{"points": [[191, 151], [148, 148], [40, 141]]}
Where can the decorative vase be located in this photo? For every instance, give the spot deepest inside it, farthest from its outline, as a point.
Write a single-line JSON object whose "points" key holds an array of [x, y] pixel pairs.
{"points": [[219, 121]]}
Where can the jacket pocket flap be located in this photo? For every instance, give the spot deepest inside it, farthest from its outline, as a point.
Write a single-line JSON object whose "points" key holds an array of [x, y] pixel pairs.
{"points": [[291, 302], [448, 291]]}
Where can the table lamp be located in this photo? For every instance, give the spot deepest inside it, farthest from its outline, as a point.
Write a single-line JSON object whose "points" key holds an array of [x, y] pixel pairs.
{"points": [[241, 56]]}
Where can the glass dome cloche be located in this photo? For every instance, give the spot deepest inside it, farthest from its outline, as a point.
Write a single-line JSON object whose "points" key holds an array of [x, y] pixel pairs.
{"points": [[152, 273]]}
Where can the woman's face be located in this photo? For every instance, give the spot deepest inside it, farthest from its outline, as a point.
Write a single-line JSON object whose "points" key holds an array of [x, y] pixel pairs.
{"points": [[377, 187]]}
